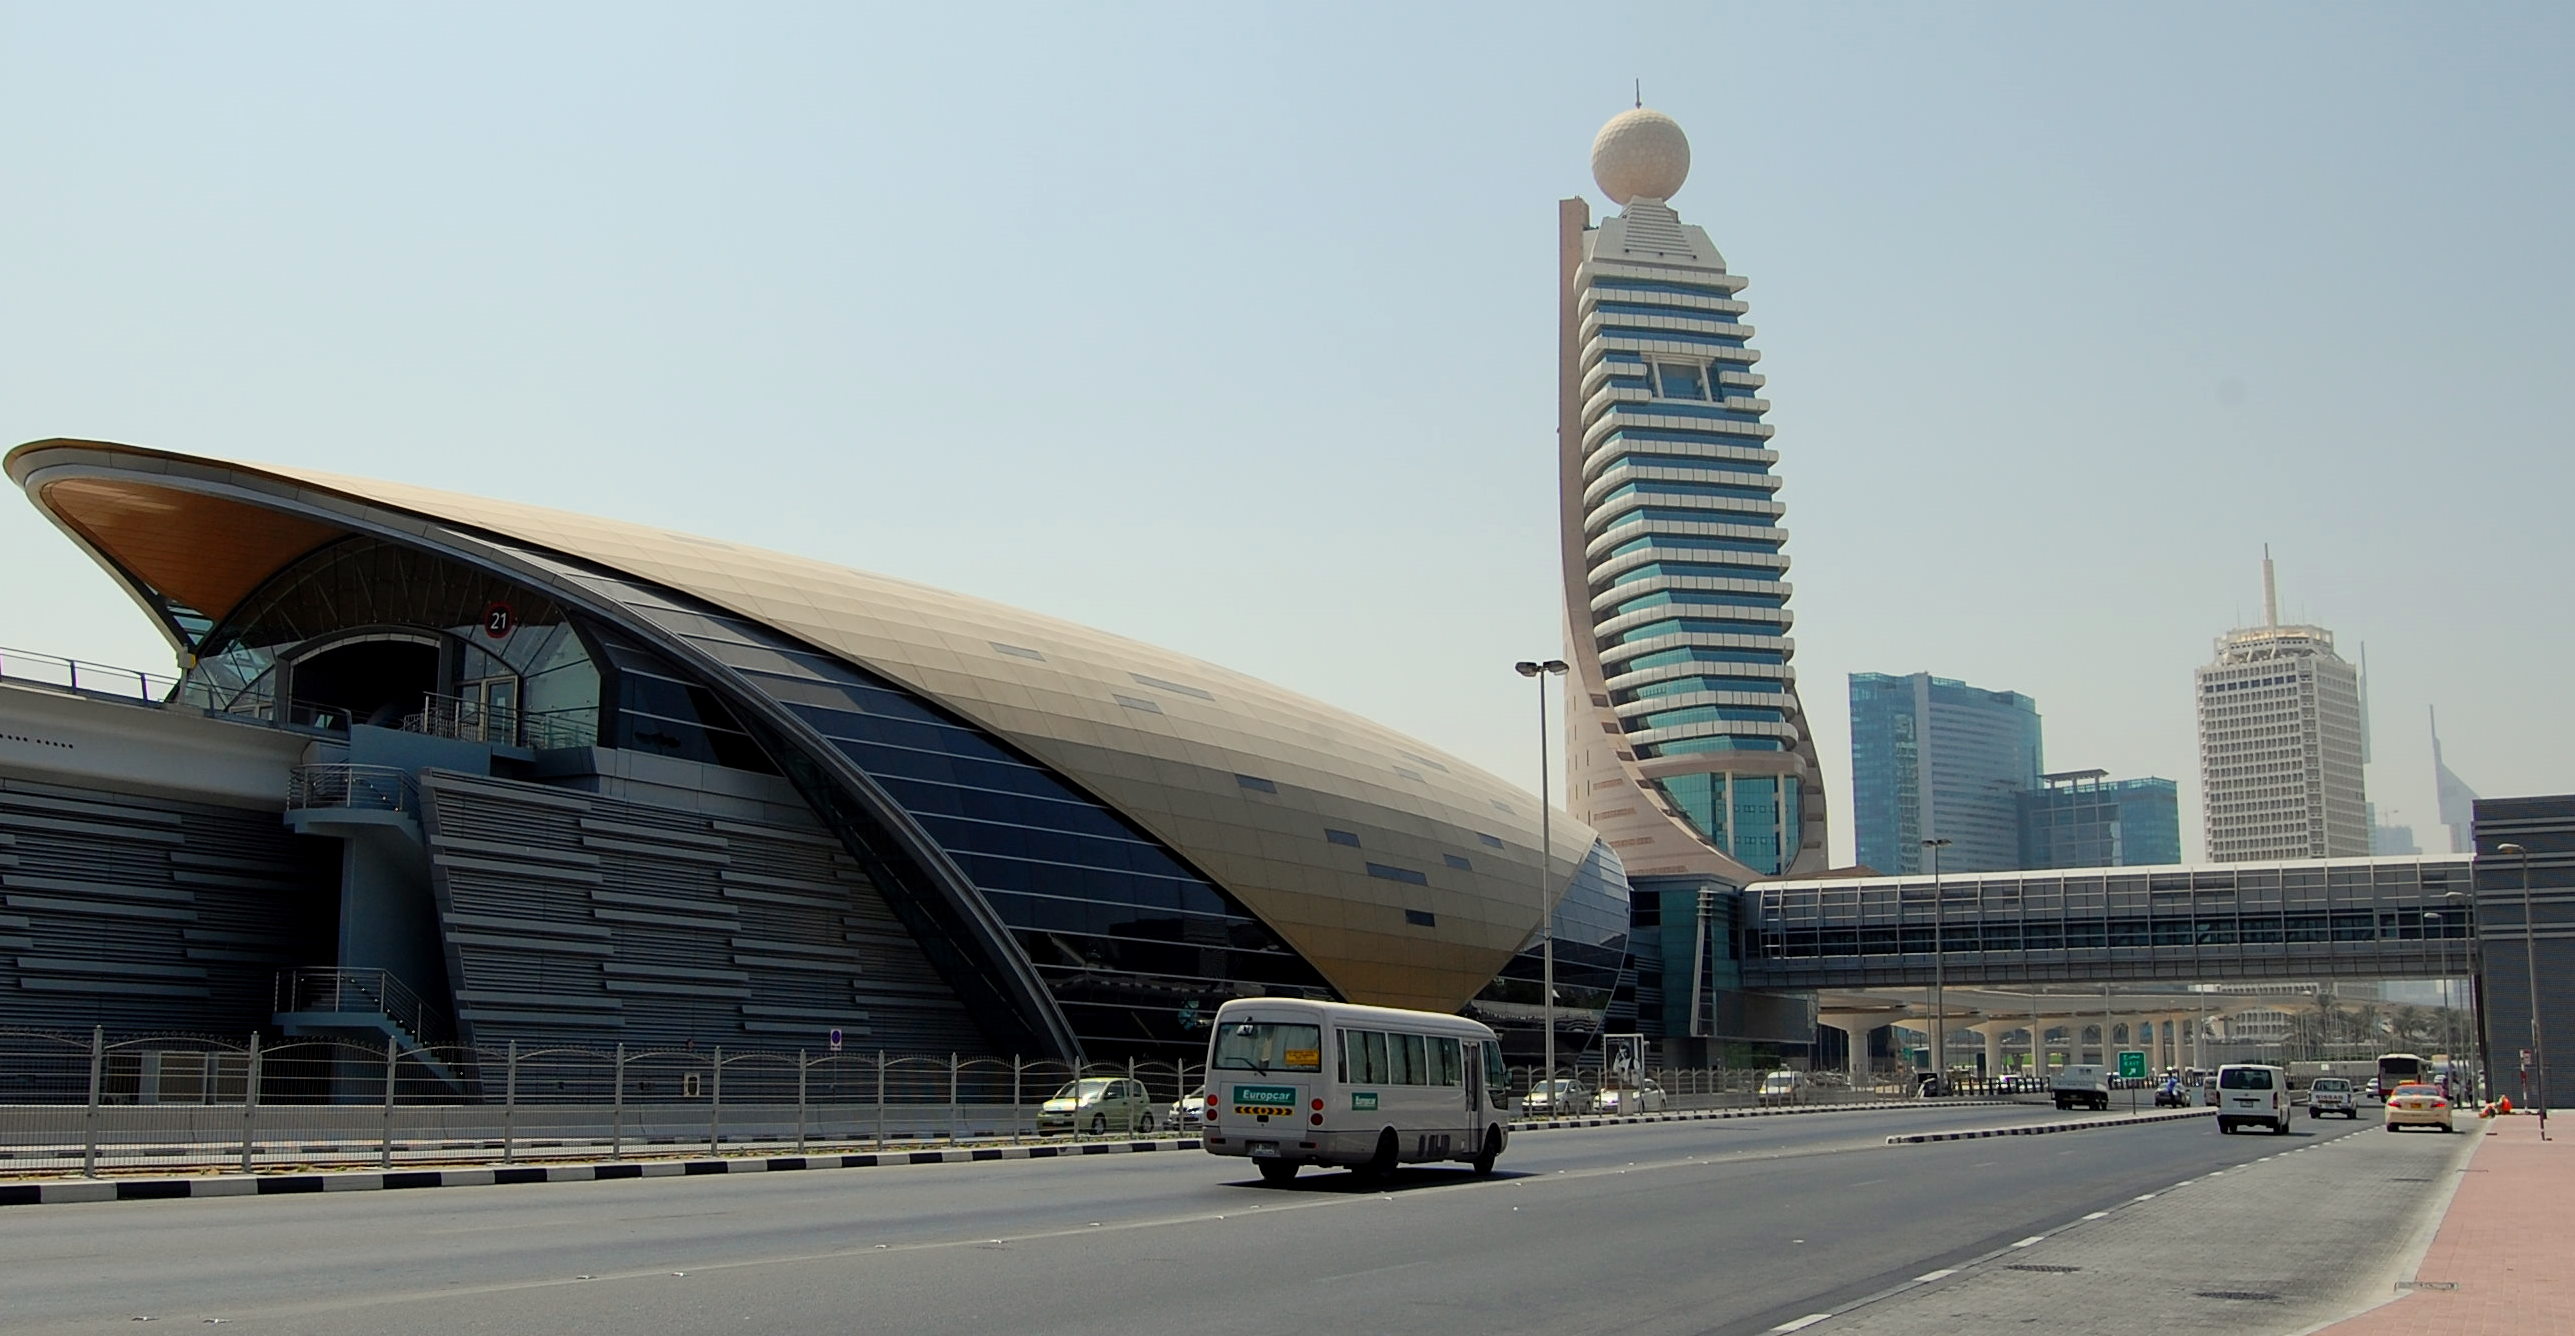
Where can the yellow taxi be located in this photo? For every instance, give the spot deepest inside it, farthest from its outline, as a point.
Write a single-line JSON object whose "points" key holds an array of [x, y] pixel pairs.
{"points": [[2418, 1106]]}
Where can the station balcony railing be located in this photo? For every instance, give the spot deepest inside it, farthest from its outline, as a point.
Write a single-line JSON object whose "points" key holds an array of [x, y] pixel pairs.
{"points": [[480, 721], [366, 788], [18, 665]]}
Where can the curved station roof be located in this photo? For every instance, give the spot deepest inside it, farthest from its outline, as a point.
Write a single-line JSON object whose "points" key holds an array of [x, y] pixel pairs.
{"points": [[1404, 876]]}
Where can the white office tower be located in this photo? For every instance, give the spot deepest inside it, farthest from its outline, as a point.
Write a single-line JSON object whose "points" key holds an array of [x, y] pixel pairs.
{"points": [[1688, 749], [2280, 743]]}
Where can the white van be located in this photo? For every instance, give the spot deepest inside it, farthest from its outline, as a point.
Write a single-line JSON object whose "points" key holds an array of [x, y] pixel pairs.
{"points": [[2252, 1093]]}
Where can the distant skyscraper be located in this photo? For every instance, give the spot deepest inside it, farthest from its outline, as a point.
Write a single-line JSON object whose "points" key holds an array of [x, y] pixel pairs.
{"points": [[2082, 818], [2389, 838], [2280, 743], [1687, 747], [2458, 801], [1934, 758]]}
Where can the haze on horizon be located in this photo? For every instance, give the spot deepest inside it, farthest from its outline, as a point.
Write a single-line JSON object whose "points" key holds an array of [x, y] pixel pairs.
{"points": [[1233, 331]]}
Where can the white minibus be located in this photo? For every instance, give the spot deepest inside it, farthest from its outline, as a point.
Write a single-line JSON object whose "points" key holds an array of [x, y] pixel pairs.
{"points": [[1293, 1083]]}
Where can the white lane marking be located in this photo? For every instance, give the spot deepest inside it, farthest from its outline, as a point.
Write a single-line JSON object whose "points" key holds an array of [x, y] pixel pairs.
{"points": [[1802, 1323], [2098, 1215], [1928, 1276], [2149, 1196], [2034, 1238]]}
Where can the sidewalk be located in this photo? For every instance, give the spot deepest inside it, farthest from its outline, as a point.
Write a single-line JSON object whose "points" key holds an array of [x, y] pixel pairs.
{"points": [[2502, 1253]]}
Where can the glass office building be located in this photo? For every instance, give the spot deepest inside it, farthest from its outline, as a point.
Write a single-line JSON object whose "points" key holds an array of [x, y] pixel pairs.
{"points": [[2083, 818], [1935, 758]]}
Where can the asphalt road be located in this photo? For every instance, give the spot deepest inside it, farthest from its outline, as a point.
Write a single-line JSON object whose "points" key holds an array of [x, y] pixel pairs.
{"points": [[1713, 1226]]}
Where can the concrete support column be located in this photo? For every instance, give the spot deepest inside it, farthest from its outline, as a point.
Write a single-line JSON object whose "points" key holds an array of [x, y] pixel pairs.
{"points": [[1993, 1032], [1856, 1026]]}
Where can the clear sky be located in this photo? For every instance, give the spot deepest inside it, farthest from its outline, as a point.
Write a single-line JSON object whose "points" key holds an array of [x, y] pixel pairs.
{"points": [[1231, 328]]}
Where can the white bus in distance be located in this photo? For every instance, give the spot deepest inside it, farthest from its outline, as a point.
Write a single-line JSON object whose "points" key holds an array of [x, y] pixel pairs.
{"points": [[1293, 1083]]}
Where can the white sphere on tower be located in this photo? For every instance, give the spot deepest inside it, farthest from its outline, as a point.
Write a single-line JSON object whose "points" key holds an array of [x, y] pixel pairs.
{"points": [[1640, 154]]}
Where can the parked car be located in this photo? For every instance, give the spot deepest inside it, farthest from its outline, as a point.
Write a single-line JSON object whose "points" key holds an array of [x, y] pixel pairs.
{"points": [[1559, 1096], [2332, 1094], [1631, 1096], [1780, 1089], [1097, 1105], [2254, 1093], [1187, 1113], [2418, 1106]]}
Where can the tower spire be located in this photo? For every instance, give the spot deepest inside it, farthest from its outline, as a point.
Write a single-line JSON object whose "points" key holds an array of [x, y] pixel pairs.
{"points": [[2270, 592]]}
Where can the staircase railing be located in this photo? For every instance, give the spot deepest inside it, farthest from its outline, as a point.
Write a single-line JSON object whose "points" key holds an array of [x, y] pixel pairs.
{"points": [[374, 992]]}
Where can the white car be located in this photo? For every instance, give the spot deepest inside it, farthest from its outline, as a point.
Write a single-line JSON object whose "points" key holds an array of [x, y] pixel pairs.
{"points": [[2332, 1094], [1644, 1096], [1187, 1113], [1779, 1089], [1552, 1097]]}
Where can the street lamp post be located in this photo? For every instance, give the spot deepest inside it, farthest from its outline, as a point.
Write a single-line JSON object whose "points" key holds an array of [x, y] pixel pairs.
{"points": [[2530, 962], [2472, 961], [1939, 972], [1540, 672]]}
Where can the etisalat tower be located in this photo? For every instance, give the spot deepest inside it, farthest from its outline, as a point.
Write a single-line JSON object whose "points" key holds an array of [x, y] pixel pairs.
{"points": [[1686, 746]]}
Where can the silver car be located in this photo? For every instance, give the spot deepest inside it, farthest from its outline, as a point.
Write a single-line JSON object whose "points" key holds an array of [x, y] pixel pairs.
{"points": [[1097, 1105]]}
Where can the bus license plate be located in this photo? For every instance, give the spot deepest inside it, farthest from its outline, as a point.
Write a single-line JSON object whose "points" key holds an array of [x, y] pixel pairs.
{"points": [[1265, 1150]]}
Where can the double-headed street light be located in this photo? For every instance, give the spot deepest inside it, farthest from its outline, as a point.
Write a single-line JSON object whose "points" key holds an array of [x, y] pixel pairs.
{"points": [[1939, 972], [2530, 961], [1540, 671]]}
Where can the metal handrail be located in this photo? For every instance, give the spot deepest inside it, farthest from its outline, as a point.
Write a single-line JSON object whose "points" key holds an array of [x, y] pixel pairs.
{"points": [[479, 721], [376, 991], [374, 788], [18, 665]]}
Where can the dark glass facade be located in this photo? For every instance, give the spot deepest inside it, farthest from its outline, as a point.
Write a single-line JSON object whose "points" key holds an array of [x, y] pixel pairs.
{"points": [[1594, 974]]}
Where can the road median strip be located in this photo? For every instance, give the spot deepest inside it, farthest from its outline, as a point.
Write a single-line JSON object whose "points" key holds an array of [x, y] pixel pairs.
{"points": [[2043, 1129], [176, 1186], [261, 1185]]}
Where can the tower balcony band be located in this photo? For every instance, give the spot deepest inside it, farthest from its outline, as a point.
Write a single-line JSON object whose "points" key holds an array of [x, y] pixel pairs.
{"points": [[1614, 595], [1784, 646], [1646, 677], [1618, 450], [1628, 531], [1609, 568], [1611, 627]]}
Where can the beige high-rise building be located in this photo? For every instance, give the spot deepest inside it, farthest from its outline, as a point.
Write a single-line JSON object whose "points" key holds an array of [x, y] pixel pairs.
{"points": [[2280, 743]]}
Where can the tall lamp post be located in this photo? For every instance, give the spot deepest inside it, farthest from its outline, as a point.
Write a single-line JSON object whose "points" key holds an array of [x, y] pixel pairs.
{"points": [[1539, 672], [2530, 961], [2473, 963], [1939, 972]]}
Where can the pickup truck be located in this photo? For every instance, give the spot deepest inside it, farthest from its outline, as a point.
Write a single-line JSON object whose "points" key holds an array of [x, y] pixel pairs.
{"points": [[2081, 1083], [2332, 1094]]}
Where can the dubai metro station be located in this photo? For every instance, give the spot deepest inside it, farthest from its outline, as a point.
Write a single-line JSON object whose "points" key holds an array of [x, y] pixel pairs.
{"points": [[536, 776]]}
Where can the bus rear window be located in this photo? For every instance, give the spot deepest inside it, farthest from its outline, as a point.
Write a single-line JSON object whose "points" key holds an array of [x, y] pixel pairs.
{"points": [[1270, 1046]]}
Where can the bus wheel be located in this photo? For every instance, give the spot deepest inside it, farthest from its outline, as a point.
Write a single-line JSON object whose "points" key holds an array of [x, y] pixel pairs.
{"points": [[1278, 1173], [1382, 1163], [1483, 1161]]}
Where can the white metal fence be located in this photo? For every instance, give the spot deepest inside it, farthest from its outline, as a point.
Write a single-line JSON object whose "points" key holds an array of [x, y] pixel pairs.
{"points": [[84, 1104]]}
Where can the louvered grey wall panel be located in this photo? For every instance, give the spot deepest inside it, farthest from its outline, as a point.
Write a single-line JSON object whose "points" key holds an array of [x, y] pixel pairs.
{"points": [[148, 915], [578, 919]]}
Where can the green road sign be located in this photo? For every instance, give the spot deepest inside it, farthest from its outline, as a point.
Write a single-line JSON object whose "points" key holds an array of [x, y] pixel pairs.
{"points": [[2132, 1065]]}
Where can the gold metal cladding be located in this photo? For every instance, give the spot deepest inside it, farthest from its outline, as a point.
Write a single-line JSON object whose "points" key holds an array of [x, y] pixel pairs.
{"points": [[1158, 736]]}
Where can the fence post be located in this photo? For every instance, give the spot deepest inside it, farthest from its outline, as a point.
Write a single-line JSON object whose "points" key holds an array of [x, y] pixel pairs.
{"points": [[715, 1102], [97, 1062], [800, 1101], [1131, 1076], [880, 1099], [510, 1108], [617, 1108], [956, 1112], [250, 1103], [1016, 1099], [392, 1056]]}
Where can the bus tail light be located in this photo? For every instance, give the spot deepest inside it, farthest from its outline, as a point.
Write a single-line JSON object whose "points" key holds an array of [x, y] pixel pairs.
{"points": [[1318, 1106], [1315, 1118]]}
